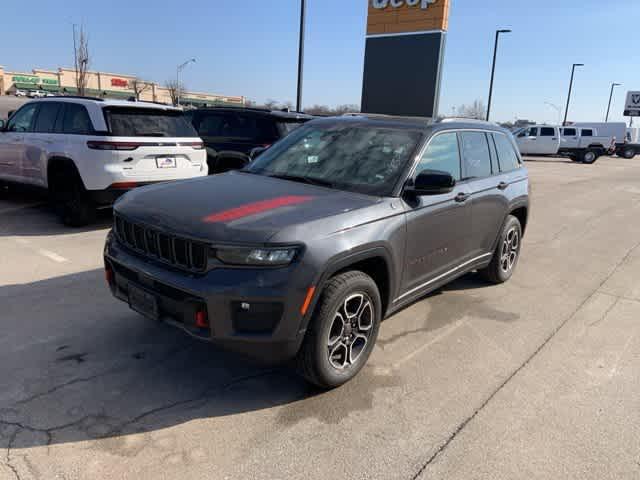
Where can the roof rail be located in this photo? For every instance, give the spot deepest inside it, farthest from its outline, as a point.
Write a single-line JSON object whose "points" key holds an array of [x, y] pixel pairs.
{"points": [[82, 97], [464, 119], [383, 116]]}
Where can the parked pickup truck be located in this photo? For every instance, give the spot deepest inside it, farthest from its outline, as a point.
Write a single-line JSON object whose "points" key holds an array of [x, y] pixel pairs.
{"points": [[579, 144]]}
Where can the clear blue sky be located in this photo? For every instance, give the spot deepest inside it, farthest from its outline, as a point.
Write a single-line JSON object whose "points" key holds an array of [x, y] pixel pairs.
{"points": [[249, 47]]}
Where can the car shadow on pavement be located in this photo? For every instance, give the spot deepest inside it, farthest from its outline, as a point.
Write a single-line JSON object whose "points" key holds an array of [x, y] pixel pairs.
{"points": [[77, 365], [26, 211]]}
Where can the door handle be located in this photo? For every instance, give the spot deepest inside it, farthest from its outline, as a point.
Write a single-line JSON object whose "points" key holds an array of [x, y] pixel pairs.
{"points": [[462, 197], [554, 138], [503, 186]]}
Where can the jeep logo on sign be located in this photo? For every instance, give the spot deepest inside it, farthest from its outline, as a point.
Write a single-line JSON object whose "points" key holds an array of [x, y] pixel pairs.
{"points": [[635, 99], [380, 4]]}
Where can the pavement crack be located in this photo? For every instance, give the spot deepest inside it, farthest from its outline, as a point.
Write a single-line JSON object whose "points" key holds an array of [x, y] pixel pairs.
{"points": [[8, 461], [555, 331], [206, 394]]}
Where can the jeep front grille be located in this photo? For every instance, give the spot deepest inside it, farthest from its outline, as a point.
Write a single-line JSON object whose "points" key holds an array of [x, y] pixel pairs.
{"points": [[178, 252]]}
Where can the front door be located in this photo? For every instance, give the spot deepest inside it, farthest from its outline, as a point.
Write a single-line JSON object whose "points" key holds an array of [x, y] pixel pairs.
{"points": [[548, 141], [438, 226], [13, 141], [527, 140]]}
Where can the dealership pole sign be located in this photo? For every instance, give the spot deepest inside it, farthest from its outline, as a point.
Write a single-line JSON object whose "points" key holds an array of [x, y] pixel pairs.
{"points": [[632, 105], [403, 56]]}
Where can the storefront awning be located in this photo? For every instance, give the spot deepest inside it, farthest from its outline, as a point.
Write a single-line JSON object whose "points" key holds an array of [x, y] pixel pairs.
{"points": [[115, 94], [71, 90], [25, 86], [50, 88]]}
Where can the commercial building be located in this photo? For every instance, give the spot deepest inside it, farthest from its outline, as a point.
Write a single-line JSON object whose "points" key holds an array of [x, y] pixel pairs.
{"points": [[106, 85]]}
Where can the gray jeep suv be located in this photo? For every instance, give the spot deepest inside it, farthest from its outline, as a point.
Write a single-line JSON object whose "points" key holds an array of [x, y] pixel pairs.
{"points": [[304, 252]]}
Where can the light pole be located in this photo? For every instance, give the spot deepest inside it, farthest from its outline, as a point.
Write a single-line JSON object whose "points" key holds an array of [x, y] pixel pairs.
{"points": [[178, 70], [303, 9], [493, 70], [573, 71], [613, 85], [557, 109]]}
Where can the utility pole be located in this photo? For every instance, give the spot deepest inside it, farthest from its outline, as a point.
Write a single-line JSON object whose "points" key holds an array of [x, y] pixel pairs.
{"points": [[303, 8], [613, 85], [178, 70], [493, 70], [573, 71]]}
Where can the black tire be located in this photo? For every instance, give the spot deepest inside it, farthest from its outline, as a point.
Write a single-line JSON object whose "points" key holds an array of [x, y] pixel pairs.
{"points": [[72, 203], [628, 153], [589, 156], [314, 362], [497, 271]]}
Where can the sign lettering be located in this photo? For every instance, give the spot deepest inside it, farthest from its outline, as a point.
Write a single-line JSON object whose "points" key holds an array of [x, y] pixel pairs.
{"points": [[632, 105], [380, 4], [34, 80], [119, 82]]}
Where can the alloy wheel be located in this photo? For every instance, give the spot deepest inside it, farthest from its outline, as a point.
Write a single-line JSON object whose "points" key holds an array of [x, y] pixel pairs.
{"points": [[350, 330], [510, 250]]}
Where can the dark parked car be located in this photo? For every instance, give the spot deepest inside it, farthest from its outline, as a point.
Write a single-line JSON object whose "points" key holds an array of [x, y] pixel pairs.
{"points": [[339, 225], [231, 133]]}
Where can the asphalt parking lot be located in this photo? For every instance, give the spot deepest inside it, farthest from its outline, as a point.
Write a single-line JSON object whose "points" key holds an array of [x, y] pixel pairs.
{"points": [[538, 378]]}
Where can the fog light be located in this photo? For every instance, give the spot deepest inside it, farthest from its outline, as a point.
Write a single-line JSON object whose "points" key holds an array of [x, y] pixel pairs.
{"points": [[202, 320]]}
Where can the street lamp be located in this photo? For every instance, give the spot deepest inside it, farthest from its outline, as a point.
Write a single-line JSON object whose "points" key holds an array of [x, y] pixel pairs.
{"points": [[613, 85], [178, 70], [303, 9], [573, 71], [493, 70], [557, 109]]}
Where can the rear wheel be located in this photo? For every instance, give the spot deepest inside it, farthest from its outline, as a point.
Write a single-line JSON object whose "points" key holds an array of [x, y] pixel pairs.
{"points": [[71, 200], [589, 156], [505, 258], [342, 332], [629, 153]]}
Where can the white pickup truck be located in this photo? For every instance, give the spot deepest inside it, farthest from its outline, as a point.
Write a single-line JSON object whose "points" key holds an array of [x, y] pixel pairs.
{"points": [[579, 144]]}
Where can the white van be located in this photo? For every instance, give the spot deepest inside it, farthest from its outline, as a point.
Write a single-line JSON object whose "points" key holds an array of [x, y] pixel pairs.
{"points": [[580, 144]]}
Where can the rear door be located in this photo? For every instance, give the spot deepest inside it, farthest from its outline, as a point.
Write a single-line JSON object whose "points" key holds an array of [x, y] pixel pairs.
{"points": [[481, 176], [569, 137], [438, 226], [13, 142], [43, 143]]}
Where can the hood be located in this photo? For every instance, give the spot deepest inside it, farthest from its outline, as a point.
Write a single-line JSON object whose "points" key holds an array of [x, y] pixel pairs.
{"points": [[235, 207]]}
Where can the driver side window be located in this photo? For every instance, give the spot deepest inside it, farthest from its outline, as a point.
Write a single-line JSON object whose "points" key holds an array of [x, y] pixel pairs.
{"points": [[22, 120], [442, 154]]}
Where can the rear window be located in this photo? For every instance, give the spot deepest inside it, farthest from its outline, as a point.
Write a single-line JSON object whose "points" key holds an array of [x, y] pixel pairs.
{"points": [[151, 122], [547, 132], [587, 133]]}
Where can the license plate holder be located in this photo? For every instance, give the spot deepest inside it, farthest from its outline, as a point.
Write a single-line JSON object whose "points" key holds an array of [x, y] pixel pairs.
{"points": [[143, 302], [166, 162]]}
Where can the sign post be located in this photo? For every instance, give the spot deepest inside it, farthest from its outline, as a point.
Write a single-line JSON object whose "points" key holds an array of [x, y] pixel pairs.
{"points": [[632, 105], [403, 56]]}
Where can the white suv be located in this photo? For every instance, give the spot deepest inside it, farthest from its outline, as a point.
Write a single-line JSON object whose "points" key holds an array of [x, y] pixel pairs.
{"points": [[87, 152]]}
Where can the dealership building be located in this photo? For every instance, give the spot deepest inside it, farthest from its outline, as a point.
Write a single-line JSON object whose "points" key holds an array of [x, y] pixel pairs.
{"points": [[104, 85]]}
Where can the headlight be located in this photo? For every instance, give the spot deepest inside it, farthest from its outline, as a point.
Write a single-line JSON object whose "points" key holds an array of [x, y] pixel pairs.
{"points": [[256, 256]]}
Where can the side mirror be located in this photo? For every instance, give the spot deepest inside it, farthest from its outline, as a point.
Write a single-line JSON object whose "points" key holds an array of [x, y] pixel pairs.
{"points": [[11, 112], [2, 125], [256, 152], [432, 182]]}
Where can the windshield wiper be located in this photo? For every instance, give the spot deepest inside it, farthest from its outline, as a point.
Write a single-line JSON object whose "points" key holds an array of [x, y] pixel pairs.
{"points": [[303, 179]]}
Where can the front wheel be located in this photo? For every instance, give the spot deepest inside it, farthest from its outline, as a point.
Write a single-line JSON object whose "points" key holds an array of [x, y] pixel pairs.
{"points": [[342, 332], [505, 258]]}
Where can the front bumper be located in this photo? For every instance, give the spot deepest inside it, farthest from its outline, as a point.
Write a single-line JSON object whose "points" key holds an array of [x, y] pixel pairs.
{"points": [[255, 312]]}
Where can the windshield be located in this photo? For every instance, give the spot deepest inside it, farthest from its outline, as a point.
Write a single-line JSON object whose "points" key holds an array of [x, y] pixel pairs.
{"points": [[358, 158], [147, 122]]}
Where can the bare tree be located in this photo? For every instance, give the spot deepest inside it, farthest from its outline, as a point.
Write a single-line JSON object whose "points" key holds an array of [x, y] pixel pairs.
{"points": [[82, 59], [338, 110], [176, 90], [139, 87]]}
